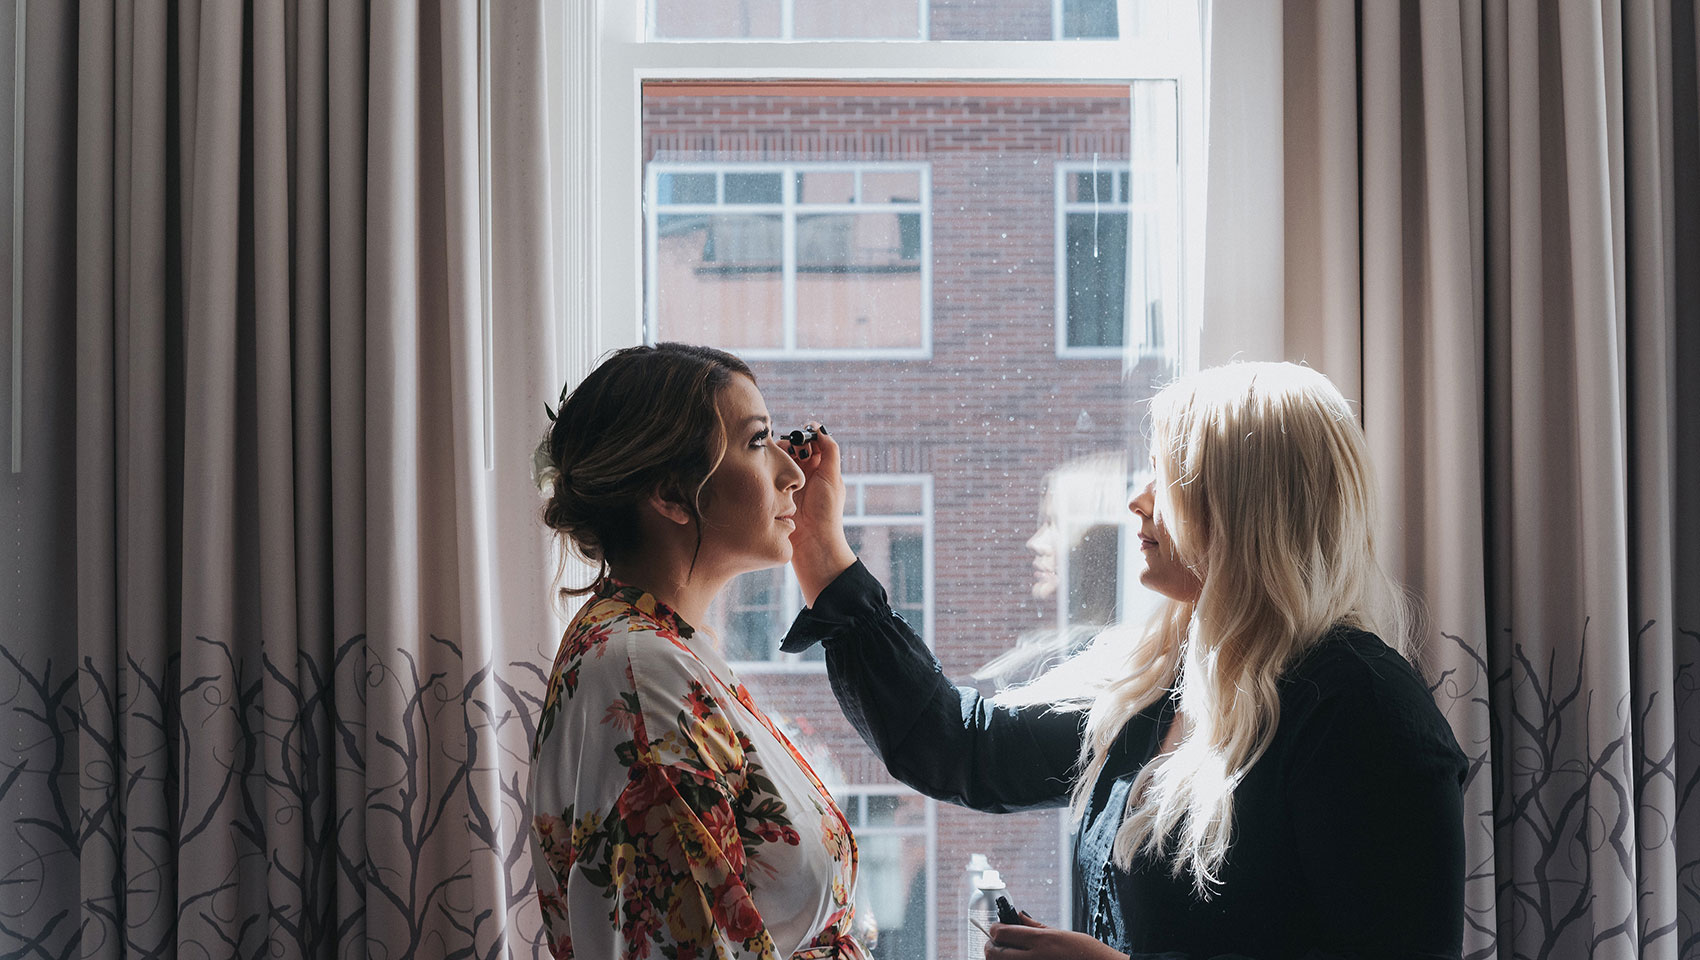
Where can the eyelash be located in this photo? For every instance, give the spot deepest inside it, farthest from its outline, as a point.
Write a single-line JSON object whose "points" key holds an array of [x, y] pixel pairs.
{"points": [[759, 440]]}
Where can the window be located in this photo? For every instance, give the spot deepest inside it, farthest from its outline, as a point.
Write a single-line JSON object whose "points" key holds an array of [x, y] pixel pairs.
{"points": [[885, 20], [788, 260], [1085, 19], [888, 520], [1118, 244], [739, 187], [895, 906]]}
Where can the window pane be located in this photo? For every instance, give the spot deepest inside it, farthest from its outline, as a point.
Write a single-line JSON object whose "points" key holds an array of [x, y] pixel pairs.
{"points": [[864, 19], [890, 499], [705, 19], [717, 280], [858, 282], [939, 20], [754, 188], [1089, 19], [949, 268], [751, 614], [891, 895], [826, 186], [1093, 586], [1085, 186], [903, 186], [1097, 278], [681, 188]]}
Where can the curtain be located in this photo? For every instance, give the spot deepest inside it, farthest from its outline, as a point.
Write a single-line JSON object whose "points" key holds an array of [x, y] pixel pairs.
{"points": [[277, 601], [1491, 236]]}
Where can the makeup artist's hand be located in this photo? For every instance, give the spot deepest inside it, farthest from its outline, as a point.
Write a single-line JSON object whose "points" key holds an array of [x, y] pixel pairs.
{"points": [[1032, 940], [819, 551]]}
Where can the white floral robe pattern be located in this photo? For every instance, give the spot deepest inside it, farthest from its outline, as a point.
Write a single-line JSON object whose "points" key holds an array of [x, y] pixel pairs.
{"points": [[671, 819]]}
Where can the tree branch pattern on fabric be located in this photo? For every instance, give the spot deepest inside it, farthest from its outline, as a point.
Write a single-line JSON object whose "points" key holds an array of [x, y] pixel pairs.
{"points": [[1570, 812], [267, 851]]}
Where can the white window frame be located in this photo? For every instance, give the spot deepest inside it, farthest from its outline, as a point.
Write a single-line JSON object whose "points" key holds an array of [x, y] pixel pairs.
{"points": [[596, 84], [855, 517], [788, 209], [929, 824], [600, 61]]}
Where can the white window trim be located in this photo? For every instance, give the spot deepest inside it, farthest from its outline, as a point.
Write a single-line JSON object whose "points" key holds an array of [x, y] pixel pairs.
{"points": [[788, 663], [788, 209]]}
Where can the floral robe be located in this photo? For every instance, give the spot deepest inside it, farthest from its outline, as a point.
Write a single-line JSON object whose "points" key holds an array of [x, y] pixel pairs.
{"points": [[671, 819]]}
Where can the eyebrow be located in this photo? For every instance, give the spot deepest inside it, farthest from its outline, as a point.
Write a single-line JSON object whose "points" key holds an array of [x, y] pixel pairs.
{"points": [[757, 418]]}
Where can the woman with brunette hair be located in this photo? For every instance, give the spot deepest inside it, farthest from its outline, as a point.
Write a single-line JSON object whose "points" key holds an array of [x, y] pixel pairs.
{"points": [[671, 818], [1267, 776]]}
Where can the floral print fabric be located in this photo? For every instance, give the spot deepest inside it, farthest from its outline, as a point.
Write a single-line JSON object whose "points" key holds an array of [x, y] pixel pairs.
{"points": [[671, 818]]}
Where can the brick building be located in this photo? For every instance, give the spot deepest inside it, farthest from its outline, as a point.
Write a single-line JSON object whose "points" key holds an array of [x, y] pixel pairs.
{"points": [[944, 274]]}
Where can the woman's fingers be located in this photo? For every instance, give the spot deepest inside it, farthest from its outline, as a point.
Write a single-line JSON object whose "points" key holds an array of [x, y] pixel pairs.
{"points": [[1017, 937], [1016, 942]]}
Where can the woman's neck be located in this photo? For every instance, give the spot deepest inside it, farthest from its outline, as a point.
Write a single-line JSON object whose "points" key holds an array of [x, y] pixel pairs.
{"points": [[688, 592]]}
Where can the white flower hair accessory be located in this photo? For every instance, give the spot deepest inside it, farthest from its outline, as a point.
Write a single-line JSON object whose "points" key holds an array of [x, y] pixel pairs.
{"points": [[543, 471]]}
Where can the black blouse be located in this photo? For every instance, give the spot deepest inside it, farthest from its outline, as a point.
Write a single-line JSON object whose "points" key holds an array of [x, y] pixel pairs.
{"points": [[1348, 833]]}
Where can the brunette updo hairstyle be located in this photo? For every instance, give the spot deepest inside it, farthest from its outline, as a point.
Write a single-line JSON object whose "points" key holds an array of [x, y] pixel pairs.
{"points": [[646, 420]]}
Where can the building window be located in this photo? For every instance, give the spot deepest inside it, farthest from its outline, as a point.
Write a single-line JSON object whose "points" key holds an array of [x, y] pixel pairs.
{"points": [[1117, 260], [889, 522], [896, 876], [796, 260], [1085, 19]]}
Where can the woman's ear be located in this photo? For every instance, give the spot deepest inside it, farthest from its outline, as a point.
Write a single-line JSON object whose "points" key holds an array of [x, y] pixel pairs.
{"points": [[669, 505]]}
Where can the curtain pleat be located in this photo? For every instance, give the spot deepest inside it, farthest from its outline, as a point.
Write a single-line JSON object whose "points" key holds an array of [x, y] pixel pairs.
{"points": [[1502, 273], [277, 669]]}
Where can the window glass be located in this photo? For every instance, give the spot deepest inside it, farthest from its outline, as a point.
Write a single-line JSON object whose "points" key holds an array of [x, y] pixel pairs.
{"points": [[888, 521], [822, 259], [974, 286], [890, 19]]}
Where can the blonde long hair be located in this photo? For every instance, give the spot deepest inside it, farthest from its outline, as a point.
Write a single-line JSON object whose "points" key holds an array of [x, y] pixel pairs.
{"points": [[1263, 481]]}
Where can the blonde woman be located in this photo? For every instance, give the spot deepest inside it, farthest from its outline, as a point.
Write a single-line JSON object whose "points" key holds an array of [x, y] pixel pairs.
{"points": [[1268, 777], [670, 817]]}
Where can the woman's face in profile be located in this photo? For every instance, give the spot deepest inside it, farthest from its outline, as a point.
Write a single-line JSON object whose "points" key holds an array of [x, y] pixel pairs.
{"points": [[1162, 569], [748, 505]]}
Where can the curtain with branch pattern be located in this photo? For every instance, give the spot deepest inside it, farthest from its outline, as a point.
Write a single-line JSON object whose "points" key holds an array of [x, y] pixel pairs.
{"points": [[1492, 231], [276, 600]]}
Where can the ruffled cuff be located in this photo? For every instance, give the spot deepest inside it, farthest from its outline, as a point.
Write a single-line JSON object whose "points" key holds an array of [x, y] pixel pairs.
{"points": [[853, 595]]}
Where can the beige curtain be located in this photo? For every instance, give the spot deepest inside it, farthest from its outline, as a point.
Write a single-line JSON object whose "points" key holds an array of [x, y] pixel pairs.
{"points": [[281, 597], [1492, 237]]}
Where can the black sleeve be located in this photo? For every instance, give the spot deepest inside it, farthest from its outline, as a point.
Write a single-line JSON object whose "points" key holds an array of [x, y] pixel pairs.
{"points": [[948, 742], [1376, 790]]}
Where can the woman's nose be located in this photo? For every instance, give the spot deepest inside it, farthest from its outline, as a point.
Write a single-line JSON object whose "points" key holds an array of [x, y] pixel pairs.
{"points": [[790, 475], [1143, 501]]}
